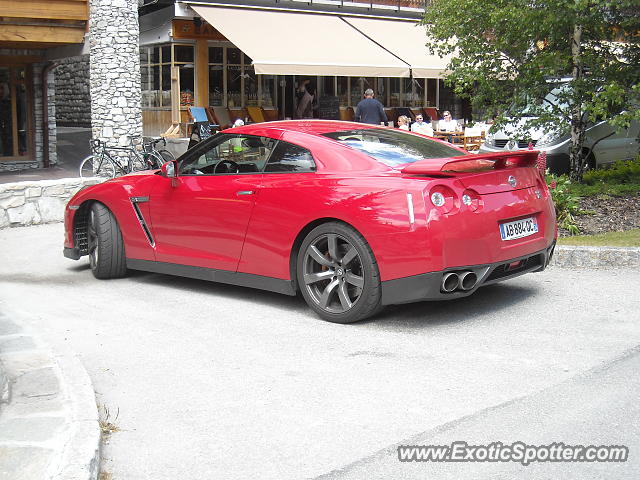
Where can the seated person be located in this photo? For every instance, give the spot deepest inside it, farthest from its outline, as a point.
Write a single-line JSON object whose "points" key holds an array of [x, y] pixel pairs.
{"points": [[403, 122], [420, 126], [448, 124]]}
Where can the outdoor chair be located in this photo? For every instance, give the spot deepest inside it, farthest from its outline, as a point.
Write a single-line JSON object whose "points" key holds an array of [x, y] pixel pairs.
{"points": [[392, 115], [238, 113], [270, 114], [473, 139], [256, 114], [222, 116], [347, 114]]}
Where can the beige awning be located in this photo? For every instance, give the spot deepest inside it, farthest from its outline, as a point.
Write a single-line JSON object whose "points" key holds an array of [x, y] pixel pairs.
{"points": [[287, 43], [406, 39]]}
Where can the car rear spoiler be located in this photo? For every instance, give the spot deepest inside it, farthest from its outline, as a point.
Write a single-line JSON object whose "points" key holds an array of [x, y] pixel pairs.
{"points": [[480, 162]]}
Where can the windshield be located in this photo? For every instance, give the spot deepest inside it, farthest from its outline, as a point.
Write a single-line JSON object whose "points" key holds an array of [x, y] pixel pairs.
{"points": [[554, 100], [393, 147]]}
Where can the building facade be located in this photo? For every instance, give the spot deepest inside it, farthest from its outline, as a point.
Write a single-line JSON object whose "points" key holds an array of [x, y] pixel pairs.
{"points": [[33, 34], [257, 53], [233, 55]]}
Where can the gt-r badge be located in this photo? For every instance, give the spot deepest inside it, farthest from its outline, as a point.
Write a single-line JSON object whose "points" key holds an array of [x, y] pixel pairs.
{"points": [[512, 181]]}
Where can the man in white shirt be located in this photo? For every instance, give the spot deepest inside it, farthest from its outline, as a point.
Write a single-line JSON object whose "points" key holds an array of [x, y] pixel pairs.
{"points": [[448, 124], [421, 127]]}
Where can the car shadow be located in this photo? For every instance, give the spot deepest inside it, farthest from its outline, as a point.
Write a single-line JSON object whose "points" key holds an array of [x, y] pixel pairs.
{"points": [[221, 289], [486, 300]]}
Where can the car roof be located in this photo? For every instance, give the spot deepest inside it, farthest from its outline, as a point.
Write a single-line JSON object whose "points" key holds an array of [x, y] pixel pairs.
{"points": [[311, 126]]}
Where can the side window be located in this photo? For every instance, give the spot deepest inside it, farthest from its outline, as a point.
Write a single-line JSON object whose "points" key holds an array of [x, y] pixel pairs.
{"points": [[290, 158], [232, 154]]}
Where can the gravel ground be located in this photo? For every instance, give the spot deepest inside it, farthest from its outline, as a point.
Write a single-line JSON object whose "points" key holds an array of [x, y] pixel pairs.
{"points": [[608, 214]]}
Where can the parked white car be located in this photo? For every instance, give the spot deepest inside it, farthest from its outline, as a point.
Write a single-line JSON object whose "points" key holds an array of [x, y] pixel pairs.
{"points": [[603, 143]]}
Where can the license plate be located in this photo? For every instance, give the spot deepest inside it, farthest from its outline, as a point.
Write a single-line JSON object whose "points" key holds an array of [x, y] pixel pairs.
{"points": [[518, 229]]}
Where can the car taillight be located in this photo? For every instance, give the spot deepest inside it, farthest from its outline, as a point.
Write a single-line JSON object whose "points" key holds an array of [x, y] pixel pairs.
{"points": [[471, 199], [443, 198]]}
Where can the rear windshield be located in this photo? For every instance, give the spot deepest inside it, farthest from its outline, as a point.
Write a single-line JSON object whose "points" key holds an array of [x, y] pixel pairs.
{"points": [[393, 147]]}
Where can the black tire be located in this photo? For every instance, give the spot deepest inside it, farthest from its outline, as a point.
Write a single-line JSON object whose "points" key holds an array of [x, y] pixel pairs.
{"points": [[590, 162], [338, 274], [106, 247], [94, 166]]}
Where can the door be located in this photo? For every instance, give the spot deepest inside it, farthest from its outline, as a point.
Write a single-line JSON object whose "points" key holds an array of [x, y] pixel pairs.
{"points": [[202, 219], [15, 107]]}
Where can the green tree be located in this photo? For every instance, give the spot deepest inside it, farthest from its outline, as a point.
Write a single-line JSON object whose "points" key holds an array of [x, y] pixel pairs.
{"points": [[505, 52]]}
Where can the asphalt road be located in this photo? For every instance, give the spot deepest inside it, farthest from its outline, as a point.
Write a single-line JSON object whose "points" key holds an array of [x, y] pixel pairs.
{"points": [[217, 382]]}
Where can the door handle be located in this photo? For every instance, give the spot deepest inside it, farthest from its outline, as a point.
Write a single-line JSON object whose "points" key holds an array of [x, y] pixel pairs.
{"points": [[245, 192]]}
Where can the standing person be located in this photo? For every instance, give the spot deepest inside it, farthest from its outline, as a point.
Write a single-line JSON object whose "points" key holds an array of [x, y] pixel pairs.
{"points": [[305, 101], [369, 110], [419, 126]]}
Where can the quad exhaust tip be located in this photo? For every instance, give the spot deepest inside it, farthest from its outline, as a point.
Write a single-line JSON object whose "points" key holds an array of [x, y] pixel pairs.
{"points": [[453, 281], [467, 280]]}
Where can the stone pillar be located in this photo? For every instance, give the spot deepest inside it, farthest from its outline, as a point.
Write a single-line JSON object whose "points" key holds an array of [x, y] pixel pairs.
{"points": [[116, 116]]}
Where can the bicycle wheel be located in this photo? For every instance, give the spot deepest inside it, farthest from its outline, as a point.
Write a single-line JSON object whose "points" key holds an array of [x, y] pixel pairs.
{"points": [[97, 166], [139, 162], [147, 161]]}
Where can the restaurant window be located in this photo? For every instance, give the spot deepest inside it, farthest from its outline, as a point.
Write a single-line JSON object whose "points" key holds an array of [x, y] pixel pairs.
{"points": [[269, 88], [15, 105], [407, 92], [250, 82], [326, 86], [342, 92], [432, 88], [155, 70], [216, 76], [183, 59], [418, 92], [394, 92], [234, 77], [358, 86]]}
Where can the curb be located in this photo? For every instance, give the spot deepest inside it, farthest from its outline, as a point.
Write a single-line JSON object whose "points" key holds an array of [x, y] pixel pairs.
{"points": [[566, 256], [49, 427]]}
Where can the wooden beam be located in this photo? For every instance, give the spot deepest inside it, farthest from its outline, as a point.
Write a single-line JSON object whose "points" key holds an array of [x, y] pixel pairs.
{"points": [[49, 9], [202, 73], [19, 59], [41, 34]]}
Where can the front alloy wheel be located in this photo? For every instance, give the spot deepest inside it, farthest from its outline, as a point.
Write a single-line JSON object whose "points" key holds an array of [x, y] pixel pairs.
{"points": [[338, 274]]}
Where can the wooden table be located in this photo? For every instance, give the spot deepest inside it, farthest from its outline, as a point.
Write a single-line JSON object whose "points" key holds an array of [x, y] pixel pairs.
{"points": [[453, 137]]}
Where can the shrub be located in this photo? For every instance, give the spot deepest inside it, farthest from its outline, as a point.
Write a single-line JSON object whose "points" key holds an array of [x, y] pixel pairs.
{"points": [[566, 202], [624, 172]]}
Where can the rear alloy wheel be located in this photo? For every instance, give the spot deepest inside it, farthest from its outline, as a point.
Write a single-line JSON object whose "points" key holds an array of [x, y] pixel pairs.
{"points": [[338, 274], [105, 244]]}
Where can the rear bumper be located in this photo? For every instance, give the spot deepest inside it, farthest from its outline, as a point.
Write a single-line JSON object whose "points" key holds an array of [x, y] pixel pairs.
{"points": [[427, 286]]}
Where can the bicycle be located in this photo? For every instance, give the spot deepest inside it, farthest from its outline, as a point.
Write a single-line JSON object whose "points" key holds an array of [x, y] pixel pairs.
{"points": [[101, 163], [156, 157]]}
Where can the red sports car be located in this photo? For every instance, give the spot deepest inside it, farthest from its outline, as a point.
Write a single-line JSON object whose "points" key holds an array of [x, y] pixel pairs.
{"points": [[352, 216]]}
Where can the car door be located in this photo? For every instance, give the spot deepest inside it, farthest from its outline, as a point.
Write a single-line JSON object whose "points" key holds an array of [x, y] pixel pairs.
{"points": [[200, 219], [609, 144]]}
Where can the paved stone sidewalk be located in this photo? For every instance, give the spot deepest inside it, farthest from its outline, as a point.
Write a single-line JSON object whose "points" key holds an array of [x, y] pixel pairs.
{"points": [[48, 416]]}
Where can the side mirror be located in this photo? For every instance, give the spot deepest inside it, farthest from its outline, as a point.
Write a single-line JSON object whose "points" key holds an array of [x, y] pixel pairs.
{"points": [[170, 170]]}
